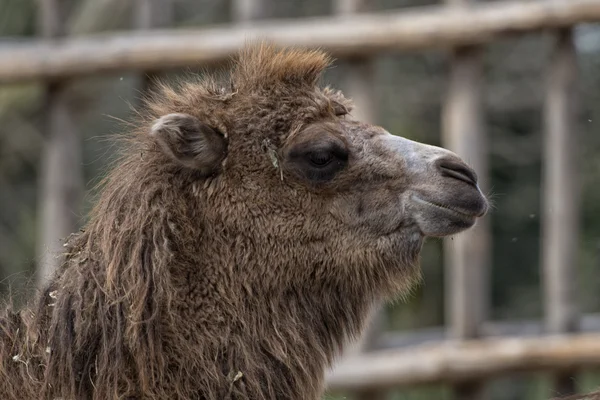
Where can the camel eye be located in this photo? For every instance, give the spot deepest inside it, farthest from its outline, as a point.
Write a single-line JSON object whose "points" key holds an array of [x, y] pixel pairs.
{"points": [[320, 159]]}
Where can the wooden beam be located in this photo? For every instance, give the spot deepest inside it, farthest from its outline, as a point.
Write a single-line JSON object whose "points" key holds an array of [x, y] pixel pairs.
{"points": [[560, 198], [151, 14], [467, 256], [360, 35], [525, 329], [147, 15], [452, 361], [588, 396], [359, 75], [357, 84], [351, 7], [358, 80], [246, 12]]}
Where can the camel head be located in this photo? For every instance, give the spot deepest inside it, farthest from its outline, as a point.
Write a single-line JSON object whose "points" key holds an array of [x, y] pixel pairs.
{"points": [[320, 193], [244, 237]]}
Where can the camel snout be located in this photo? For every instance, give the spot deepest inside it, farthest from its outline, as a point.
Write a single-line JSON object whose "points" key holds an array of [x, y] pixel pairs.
{"points": [[456, 169]]}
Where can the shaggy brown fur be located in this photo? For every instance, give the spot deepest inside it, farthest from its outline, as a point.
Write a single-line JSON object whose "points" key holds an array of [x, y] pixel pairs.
{"points": [[221, 266]]}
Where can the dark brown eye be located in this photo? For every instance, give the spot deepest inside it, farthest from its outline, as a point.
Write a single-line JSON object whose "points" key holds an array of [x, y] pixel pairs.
{"points": [[320, 159], [317, 161]]}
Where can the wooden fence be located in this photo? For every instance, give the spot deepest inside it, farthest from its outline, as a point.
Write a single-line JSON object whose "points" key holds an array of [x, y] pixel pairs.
{"points": [[469, 349]]}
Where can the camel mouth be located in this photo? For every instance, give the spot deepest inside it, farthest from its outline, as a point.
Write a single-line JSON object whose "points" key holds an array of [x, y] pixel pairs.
{"points": [[458, 212], [453, 213]]}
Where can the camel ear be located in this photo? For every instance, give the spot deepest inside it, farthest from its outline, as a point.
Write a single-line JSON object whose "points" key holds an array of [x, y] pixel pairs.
{"points": [[190, 142]]}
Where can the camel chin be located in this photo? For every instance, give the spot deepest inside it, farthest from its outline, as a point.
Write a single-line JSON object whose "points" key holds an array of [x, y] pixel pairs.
{"points": [[439, 218]]}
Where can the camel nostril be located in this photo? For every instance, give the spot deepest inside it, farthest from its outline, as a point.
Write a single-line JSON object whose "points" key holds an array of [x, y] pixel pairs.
{"points": [[457, 170]]}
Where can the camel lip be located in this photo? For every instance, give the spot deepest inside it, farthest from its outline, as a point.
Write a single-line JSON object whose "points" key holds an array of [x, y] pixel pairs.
{"points": [[462, 214]]}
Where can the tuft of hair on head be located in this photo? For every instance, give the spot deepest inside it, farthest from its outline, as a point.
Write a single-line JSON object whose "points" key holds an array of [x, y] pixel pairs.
{"points": [[189, 142], [262, 64]]}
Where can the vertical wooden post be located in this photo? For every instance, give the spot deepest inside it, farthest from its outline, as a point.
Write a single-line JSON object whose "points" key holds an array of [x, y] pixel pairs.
{"points": [[149, 14], [560, 197], [359, 77], [61, 175], [467, 255], [358, 84], [247, 11]]}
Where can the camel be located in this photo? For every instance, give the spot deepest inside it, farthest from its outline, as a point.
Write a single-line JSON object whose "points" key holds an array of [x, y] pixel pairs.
{"points": [[239, 244]]}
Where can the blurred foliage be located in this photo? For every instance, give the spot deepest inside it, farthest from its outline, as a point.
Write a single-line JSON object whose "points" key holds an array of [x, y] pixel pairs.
{"points": [[410, 89], [16, 17]]}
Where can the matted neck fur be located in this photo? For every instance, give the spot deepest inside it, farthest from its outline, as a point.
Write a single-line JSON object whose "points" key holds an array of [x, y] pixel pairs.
{"points": [[249, 229]]}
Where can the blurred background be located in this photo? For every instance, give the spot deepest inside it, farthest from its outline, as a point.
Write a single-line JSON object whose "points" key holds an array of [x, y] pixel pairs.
{"points": [[408, 92]]}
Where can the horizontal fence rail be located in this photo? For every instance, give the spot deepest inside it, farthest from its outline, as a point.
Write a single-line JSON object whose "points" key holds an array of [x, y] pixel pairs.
{"points": [[456, 361], [343, 36], [525, 328]]}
